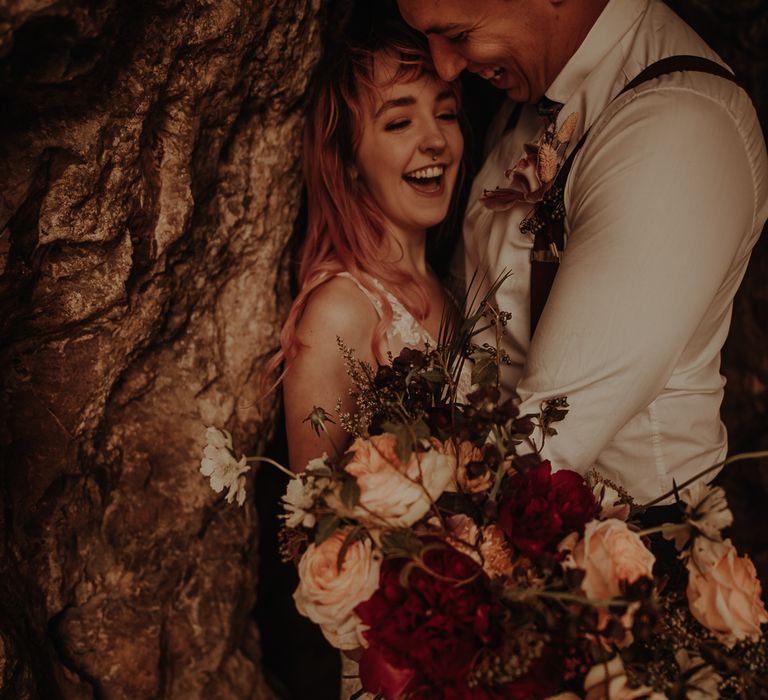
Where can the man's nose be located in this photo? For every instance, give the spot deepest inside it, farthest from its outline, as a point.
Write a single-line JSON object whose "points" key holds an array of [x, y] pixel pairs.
{"points": [[448, 62]]}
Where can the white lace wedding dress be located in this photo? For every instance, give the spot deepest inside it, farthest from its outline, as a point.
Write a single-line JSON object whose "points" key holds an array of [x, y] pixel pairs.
{"points": [[403, 331]]}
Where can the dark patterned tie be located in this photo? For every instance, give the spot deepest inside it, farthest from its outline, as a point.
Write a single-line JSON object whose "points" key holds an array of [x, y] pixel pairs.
{"points": [[548, 108]]}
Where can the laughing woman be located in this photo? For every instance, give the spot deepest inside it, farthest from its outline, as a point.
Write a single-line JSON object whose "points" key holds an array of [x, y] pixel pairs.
{"points": [[382, 152]]}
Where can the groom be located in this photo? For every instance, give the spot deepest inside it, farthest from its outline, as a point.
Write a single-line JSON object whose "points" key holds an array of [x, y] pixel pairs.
{"points": [[663, 202]]}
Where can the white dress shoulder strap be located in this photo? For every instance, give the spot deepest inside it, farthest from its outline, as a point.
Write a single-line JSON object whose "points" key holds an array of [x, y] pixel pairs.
{"points": [[403, 324]]}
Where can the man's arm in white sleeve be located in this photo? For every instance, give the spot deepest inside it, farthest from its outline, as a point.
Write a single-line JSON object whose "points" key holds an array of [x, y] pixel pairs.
{"points": [[662, 197]]}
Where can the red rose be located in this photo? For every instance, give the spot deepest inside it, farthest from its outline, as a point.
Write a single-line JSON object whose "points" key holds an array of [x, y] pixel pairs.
{"points": [[429, 631], [539, 508]]}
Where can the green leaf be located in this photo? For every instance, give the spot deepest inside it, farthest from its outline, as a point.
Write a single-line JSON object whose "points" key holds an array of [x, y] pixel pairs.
{"points": [[434, 376], [326, 526], [355, 534], [484, 371], [400, 543], [350, 493], [318, 472]]}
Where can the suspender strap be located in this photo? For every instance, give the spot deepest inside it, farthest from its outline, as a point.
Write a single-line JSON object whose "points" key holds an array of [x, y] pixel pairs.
{"points": [[550, 235]]}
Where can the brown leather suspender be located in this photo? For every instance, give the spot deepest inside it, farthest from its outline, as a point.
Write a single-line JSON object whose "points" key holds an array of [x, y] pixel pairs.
{"points": [[547, 222]]}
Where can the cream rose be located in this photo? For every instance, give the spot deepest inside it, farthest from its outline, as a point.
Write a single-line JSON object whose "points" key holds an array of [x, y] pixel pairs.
{"points": [[394, 493], [608, 553], [726, 599], [328, 596]]}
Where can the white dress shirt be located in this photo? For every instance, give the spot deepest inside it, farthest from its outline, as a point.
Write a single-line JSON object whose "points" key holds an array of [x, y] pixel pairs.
{"points": [[664, 203]]}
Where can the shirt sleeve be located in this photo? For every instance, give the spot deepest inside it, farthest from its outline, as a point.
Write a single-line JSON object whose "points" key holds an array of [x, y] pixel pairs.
{"points": [[659, 202]]}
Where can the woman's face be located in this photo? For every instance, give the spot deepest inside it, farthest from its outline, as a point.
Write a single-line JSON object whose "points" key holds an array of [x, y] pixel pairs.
{"points": [[410, 149]]}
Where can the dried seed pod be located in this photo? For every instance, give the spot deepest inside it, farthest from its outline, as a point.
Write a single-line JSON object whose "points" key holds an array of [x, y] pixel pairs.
{"points": [[566, 130], [547, 164]]}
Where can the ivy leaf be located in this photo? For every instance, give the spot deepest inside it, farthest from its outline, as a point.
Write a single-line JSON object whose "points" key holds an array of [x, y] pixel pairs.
{"points": [[400, 543], [326, 526]]}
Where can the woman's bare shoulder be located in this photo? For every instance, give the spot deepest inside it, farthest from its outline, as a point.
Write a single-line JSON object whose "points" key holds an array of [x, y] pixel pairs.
{"points": [[338, 307]]}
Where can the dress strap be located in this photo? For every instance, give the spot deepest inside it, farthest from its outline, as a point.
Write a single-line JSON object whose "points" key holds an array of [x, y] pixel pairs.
{"points": [[371, 297], [403, 324]]}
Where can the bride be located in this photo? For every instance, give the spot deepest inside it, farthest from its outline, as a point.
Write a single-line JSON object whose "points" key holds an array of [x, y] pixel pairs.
{"points": [[382, 154]]}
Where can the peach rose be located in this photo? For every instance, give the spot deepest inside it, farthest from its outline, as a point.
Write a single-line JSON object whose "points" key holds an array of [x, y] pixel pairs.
{"points": [[396, 493], [726, 599], [608, 553], [328, 596]]}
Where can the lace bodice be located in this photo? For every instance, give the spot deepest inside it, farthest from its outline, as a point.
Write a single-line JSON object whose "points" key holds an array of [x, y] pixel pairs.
{"points": [[405, 330]]}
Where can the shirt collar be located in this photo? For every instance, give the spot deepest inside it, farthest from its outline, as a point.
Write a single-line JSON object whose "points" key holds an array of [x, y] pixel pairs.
{"points": [[613, 23]]}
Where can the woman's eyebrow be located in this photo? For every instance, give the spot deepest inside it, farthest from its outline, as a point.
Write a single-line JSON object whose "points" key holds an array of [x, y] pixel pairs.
{"points": [[445, 95], [397, 102]]}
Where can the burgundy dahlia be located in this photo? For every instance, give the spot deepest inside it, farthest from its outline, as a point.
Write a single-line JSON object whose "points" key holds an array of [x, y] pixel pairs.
{"points": [[426, 635], [539, 508]]}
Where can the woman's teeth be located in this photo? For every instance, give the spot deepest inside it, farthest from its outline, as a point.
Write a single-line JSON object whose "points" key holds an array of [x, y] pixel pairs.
{"points": [[426, 180], [424, 173]]}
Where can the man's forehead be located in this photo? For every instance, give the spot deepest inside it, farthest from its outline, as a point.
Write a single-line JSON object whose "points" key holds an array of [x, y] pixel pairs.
{"points": [[437, 16]]}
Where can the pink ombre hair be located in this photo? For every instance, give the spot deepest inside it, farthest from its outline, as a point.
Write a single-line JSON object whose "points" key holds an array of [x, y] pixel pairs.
{"points": [[345, 227]]}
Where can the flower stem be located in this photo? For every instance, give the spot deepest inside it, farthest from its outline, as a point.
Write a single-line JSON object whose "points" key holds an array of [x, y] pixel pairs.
{"points": [[724, 463], [274, 464], [669, 527]]}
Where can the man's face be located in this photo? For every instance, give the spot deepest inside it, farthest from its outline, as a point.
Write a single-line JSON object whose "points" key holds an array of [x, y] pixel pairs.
{"points": [[511, 43]]}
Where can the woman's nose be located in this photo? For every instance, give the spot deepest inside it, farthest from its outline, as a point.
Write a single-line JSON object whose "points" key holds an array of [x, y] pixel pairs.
{"points": [[433, 139], [448, 62]]}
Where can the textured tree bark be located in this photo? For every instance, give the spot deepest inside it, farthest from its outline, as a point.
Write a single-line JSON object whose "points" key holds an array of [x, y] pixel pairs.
{"points": [[150, 179]]}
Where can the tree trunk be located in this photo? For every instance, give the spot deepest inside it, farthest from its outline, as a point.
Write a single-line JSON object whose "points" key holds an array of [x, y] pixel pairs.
{"points": [[149, 184]]}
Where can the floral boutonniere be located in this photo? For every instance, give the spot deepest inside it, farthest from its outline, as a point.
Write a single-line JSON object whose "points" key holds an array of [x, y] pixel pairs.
{"points": [[535, 172]]}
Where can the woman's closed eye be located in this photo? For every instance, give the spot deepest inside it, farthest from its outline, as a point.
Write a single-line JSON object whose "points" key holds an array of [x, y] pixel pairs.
{"points": [[397, 124], [448, 116]]}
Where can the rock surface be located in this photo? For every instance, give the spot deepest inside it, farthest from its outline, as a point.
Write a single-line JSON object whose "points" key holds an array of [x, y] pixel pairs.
{"points": [[149, 184]]}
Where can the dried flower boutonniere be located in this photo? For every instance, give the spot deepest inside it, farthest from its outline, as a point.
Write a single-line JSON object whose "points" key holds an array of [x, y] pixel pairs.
{"points": [[535, 172]]}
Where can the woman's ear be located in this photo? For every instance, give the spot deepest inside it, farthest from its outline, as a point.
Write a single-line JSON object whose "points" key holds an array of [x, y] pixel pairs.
{"points": [[354, 173]]}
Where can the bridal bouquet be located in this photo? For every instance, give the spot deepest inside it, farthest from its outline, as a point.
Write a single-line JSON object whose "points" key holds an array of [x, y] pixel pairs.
{"points": [[464, 568]]}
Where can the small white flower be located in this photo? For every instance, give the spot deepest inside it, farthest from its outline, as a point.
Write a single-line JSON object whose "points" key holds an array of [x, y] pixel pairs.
{"points": [[301, 494], [707, 509], [220, 465], [704, 682], [706, 514]]}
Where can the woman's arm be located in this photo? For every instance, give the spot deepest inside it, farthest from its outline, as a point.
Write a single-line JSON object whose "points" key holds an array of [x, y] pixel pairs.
{"points": [[317, 376]]}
